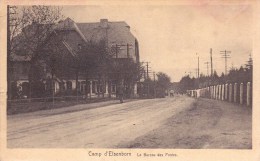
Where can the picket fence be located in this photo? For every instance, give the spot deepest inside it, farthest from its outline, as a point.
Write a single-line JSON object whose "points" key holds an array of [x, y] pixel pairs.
{"points": [[231, 92]]}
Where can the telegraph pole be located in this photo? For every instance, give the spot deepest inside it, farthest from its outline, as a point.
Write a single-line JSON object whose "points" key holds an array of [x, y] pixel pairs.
{"points": [[146, 75], [249, 63], [147, 69], [154, 86], [9, 94], [9, 63], [211, 62], [147, 72], [225, 54], [198, 66]]}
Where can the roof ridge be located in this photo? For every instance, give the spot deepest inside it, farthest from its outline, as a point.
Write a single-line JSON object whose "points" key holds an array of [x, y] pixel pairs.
{"points": [[99, 22]]}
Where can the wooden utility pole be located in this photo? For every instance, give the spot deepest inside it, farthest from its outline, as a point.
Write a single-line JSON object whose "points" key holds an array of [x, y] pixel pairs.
{"points": [[9, 94], [10, 11], [198, 66], [147, 69], [225, 54], [147, 72], [154, 86], [249, 63], [211, 62], [146, 76]]}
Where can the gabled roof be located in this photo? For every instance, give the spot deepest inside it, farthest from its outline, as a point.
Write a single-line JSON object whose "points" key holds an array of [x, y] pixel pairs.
{"points": [[69, 24], [97, 31], [115, 31]]}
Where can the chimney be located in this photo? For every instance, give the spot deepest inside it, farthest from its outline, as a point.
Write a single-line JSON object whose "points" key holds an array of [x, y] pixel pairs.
{"points": [[104, 23]]}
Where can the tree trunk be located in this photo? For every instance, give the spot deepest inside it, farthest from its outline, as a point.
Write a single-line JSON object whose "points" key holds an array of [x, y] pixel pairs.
{"points": [[77, 79], [98, 90], [86, 87], [109, 88], [52, 89], [103, 88]]}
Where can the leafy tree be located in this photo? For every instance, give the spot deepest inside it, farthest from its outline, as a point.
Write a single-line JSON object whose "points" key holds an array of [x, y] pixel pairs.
{"points": [[163, 83], [241, 75], [186, 83]]}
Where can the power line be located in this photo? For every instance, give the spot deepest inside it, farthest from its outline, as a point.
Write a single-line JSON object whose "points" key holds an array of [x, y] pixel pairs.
{"points": [[226, 55], [118, 47]]}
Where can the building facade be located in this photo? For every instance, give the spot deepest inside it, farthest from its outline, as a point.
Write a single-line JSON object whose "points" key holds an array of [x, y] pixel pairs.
{"points": [[66, 48]]}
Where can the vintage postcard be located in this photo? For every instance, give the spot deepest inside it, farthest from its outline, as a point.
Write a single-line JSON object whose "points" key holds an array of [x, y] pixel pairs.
{"points": [[130, 80]]}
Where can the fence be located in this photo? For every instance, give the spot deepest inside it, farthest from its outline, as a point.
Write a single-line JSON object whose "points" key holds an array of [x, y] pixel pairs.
{"points": [[231, 92]]}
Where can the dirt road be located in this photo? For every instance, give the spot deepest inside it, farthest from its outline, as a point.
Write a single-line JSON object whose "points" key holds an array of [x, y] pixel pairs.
{"points": [[208, 124], [109, 126], [179, 122]]}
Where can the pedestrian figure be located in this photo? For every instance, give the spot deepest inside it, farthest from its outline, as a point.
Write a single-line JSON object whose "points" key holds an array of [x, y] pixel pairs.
{"points": [[171, 93], [121, 93]]}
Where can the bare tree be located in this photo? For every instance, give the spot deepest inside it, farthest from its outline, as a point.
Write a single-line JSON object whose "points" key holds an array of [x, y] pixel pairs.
{"points": [[28, 32]]}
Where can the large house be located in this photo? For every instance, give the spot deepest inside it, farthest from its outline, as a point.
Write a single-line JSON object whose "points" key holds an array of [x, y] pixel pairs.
{"points": [[71, 37]]}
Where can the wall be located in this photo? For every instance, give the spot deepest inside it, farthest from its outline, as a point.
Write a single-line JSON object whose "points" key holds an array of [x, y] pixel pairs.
{"points": [[240, 93]]}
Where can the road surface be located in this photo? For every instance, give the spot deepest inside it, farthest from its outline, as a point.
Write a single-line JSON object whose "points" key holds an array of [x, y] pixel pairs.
{"points": [[179, 122], [103, 127]]}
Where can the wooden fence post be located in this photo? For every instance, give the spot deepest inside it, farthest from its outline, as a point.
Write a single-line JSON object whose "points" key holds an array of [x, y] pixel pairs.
{"points": [[241, 93], [248, 93], [211, 92], [235, 92], [226, 91], [216, 94], [214, 91], [223, 92], [219, 92], [212, 87], [230, 92], [208, 92]]}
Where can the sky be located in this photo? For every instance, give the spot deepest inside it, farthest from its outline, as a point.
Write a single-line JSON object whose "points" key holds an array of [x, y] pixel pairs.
{"points": [[173, 37]]}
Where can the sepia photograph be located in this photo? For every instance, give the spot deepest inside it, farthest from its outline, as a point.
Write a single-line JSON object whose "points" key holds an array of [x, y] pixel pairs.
{"points": [[130, 77]]}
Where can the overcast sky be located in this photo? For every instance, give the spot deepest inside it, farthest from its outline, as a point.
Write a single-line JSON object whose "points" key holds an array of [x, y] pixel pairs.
{"points": [[170, 36]]}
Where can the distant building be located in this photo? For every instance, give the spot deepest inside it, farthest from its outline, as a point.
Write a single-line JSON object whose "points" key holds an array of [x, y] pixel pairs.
{"points": [[116, 35]]}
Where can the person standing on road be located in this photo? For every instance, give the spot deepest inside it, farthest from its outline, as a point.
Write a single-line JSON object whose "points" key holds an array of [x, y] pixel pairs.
{"points": [[121, 93]]}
